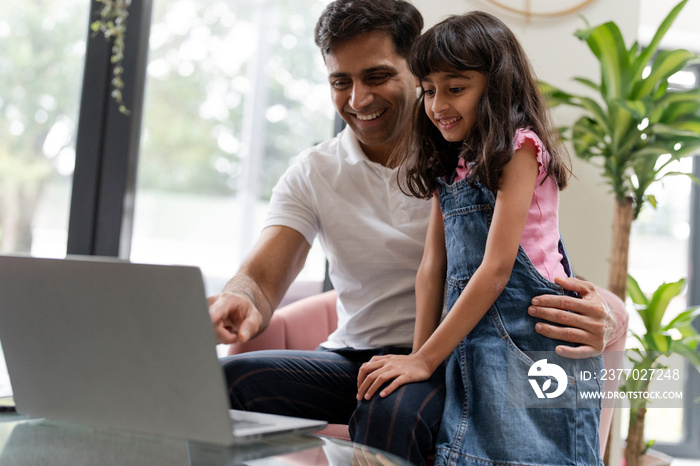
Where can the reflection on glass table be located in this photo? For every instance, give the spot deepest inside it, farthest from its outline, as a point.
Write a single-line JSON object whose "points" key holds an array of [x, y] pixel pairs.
{"points": [[25, 441]]}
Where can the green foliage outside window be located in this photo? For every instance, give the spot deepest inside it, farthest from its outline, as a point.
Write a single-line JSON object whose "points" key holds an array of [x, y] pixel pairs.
{"points": [[196, 92]]}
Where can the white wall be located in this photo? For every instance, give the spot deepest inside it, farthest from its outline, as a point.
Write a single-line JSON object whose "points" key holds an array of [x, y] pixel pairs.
{"points": [[586, 206]]}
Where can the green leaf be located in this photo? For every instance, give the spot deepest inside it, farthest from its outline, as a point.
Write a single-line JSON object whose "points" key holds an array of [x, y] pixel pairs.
{"points": [[654, 151], [648, 52], [621, 122], [634, 49], [587, 135], [556, 96], [657, 342], [597, 113], [680, 96], [689, 149], [588, 83], [661, 90], [638, 108], [686, 334], [679, 129], [679, 110], [635, 292], [686, 316], [583, 34], [659, 302], [670, 98], [647, 446], [689, 128], [666, 64], [606, 43], [652, 200]]}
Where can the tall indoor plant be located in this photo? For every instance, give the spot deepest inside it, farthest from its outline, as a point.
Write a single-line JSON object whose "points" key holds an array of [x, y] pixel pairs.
{"points": [[634, 125]]}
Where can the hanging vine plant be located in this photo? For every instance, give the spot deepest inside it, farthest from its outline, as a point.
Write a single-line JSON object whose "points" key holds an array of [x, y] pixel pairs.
{"points": [[112, 25]]}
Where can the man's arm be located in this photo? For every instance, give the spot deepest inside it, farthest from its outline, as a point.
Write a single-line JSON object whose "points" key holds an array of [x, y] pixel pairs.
{"points": [[244, 308], [588, 321]]}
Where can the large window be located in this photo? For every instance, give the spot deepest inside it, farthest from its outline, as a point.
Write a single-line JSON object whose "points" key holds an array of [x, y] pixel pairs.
{"points": [[234, 90], [41, 65], [42, 54]]}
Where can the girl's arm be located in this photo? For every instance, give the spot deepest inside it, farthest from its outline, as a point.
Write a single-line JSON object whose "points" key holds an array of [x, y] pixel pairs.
{"points": [[513, 201], [430, 279]]}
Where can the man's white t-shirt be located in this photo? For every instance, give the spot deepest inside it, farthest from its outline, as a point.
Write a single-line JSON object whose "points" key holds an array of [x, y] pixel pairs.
{"points": [[372, 234]]}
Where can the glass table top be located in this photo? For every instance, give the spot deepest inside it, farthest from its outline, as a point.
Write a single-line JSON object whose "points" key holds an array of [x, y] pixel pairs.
{"points": [[25, 441]]}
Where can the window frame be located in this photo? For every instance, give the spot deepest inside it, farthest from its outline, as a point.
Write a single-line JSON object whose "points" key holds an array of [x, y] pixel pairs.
{"points": [[107, 143]]}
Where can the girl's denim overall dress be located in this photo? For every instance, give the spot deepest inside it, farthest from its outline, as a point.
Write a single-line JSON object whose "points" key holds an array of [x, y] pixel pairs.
{"points": [[493, 413]]}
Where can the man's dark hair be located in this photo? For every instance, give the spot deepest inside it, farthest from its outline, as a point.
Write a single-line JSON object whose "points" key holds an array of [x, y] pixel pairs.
{"points": [[343, 20]]}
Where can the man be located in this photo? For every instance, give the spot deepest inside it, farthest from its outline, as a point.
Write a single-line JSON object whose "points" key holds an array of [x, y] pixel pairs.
{"points": [[345, 191]]}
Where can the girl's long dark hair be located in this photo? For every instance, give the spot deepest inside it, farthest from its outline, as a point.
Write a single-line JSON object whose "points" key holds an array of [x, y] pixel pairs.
{"points": [[481, 42]]}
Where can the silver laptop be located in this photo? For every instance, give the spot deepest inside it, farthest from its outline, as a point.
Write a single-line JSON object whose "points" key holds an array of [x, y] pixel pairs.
{"points": [[121, 345]]}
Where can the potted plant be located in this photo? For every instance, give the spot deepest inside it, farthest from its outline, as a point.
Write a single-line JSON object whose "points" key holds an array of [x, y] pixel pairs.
{"points": [[632, 123], [635, 126], [678, 336]]}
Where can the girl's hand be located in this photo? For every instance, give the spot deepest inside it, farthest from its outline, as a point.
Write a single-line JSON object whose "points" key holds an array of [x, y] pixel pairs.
{"points": [[381, 369]]}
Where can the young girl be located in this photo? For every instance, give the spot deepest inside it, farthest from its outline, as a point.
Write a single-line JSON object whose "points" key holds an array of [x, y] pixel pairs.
{"points": [[483, 150]]}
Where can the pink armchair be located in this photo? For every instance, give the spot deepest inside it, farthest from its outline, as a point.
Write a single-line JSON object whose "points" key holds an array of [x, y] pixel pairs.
{"points": [[301, 325], [306, 323]]}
